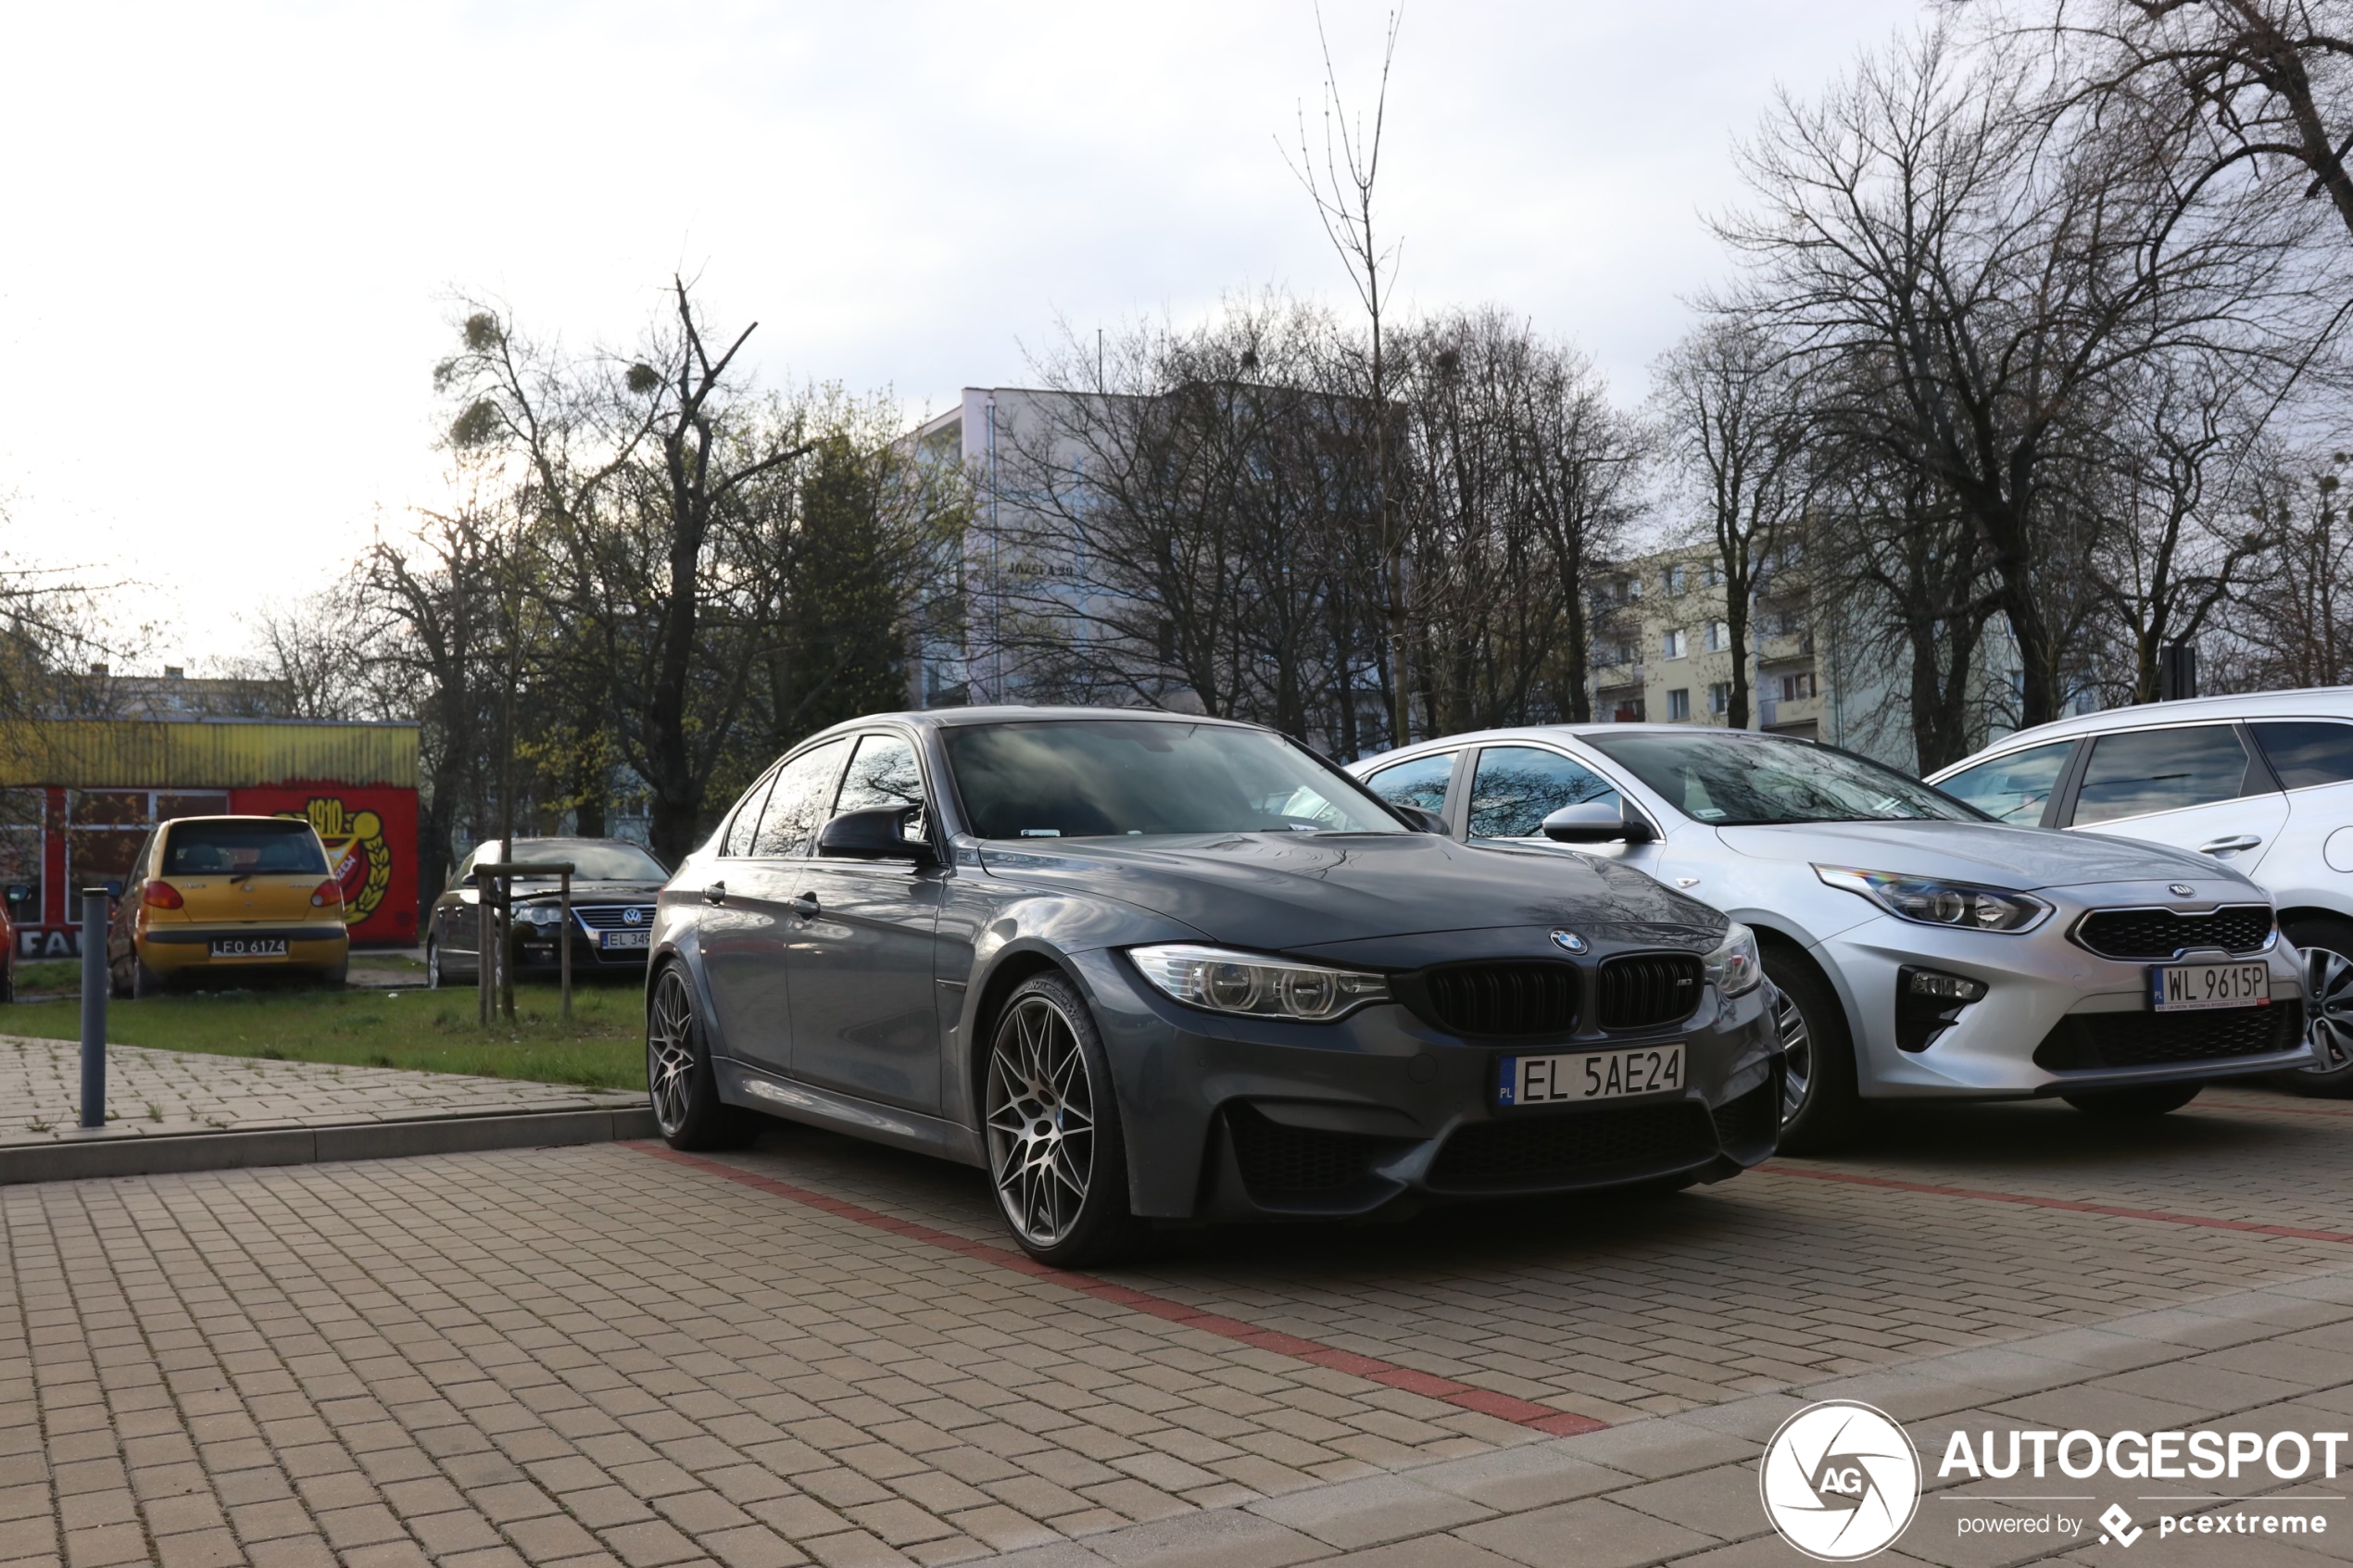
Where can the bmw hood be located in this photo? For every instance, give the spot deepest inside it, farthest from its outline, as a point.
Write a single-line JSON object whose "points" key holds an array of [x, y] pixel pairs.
{"points": [[1289, 892], [1993, 854]]}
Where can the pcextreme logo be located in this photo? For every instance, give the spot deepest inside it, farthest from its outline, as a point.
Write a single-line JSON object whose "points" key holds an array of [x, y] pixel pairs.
{"points": [[357, 853], [1839, 1481]]}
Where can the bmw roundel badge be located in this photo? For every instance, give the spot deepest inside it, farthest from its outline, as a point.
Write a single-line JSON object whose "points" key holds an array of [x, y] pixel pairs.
{"points": [[1568, 941]]}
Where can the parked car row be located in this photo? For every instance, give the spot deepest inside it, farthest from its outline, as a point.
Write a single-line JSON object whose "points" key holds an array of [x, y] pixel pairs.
{"points": [[1144, 967]]}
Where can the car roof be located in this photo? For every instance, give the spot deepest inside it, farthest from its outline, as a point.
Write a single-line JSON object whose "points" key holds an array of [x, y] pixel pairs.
{"points": [[2304, 702], [1023, 713], [1554, 732]]}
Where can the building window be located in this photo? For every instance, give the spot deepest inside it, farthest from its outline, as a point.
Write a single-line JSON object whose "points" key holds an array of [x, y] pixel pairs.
{"points": [[1719, 697], [1675, 645], [1673, 578], [1719, 635], [1628, 711], [1679, 705], [1797, 687], [1710, 575]]}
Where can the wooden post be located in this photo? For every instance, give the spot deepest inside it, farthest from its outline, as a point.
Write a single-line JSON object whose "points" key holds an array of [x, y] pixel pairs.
{"points": [[483, 883], [506, 941], [502, 874], [563, 926]]}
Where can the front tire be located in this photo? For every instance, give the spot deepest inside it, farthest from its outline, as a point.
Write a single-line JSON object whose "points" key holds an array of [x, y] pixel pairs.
{"points": [[2136, 1104], [679, 1078], [434, 980], [1819, 1102], [2327, 946], [1056, 1156]]}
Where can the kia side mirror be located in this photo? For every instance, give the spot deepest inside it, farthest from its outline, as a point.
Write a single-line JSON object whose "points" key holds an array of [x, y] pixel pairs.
{"points": [[879, 833], [1596, 821]]}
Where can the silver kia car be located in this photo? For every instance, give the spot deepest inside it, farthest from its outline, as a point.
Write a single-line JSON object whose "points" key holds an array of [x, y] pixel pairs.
{"points": [[1922, 949]]}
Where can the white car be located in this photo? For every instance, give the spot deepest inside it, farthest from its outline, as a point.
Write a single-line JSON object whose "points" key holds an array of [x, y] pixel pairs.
{"points": [[1922, 950], [2261, 783]]}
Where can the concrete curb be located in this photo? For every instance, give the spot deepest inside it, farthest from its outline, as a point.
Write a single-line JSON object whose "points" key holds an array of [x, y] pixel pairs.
{"points": [[169, 1154]]}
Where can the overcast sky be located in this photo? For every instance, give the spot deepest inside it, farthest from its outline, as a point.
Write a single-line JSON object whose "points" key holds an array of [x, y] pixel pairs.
{"points": [[231, 231]]}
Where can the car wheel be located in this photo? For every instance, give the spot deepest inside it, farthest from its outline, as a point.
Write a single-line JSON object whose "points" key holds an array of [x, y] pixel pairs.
{"points": [[1059, 1163], [2327, 946], [1818, 1100], [679, 1079], [434, 980], [145, 982], [2152, 1099]]}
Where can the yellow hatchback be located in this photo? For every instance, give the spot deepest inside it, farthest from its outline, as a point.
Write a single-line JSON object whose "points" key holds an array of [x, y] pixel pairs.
{"points": [[228, 896]]}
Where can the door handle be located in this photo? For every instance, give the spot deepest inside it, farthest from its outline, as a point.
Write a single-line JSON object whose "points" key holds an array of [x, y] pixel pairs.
{"points": [[715, 894], [805, 906], [2230, 845]]}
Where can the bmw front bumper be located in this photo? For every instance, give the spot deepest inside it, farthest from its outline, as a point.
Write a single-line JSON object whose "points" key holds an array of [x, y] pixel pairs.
{"points": [[1231, 1118], [2057, 1018]]}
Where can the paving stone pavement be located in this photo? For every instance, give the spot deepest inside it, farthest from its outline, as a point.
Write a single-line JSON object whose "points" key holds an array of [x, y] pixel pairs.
{"points": [[151, 1093], [591, 1355]]}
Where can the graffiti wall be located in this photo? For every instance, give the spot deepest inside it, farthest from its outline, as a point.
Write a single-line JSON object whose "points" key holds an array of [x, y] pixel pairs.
{"points": [[371, 835]]}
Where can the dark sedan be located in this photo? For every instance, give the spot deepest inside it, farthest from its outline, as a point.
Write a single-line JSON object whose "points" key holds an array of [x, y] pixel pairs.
{"points": [[1141, 966], [613, 883]]}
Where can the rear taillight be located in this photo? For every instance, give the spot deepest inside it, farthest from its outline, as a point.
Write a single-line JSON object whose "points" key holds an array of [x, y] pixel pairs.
{"points": [[326, 893], [160, 896]]}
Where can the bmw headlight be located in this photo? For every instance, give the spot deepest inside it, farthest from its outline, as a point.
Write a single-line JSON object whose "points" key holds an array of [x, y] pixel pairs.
{"points": [[1735, 966], [1927, 902], [1254, 985]]}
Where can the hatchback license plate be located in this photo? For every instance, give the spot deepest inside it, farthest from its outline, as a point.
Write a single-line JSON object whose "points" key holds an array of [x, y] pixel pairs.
{"points": [[1583, 1075], [610, 939], [2194, 988], [248, 947]]}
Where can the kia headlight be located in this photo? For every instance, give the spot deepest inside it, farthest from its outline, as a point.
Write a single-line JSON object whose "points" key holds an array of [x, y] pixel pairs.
{"points": [[1735, 968], [1256, 987], [1930, 901]]}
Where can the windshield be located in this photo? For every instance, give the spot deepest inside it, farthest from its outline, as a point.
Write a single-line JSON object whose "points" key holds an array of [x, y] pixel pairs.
{"points": [[255, 847], [1126, 777], [1733, 780], [591, 860]]}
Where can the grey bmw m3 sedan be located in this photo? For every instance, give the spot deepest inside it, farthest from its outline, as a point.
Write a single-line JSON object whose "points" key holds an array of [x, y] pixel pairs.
{"points": [[1141, 966]]}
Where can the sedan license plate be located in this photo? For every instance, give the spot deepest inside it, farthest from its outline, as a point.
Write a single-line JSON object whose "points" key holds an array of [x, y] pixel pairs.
{"points": [[2193, 987], [612, 939], [1583, 1075], [248, 947]]}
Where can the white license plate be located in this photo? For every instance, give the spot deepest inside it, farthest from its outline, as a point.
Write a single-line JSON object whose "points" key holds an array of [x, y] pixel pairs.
{"points": [[610, 939], [2193, 987], [248, 947], [1583, 1075]]}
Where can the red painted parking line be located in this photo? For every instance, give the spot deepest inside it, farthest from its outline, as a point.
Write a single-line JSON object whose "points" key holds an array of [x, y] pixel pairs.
{"points": [[2114, 1212], [1503, 1407]]}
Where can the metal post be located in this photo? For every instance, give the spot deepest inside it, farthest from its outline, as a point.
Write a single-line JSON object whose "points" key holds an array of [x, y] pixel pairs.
{"points": [[95, 909], [563, 937], [482, 946]]}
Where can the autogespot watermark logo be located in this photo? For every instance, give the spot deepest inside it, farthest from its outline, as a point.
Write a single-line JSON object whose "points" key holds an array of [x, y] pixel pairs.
{"points": [[1839, 1481]]}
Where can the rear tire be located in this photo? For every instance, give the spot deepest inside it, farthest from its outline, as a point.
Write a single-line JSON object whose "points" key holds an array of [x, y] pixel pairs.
{"points": [[145, 982], [2327, 944], [1820, 1105], [1057, 1156], [680, 1080], [2135, 1104]]}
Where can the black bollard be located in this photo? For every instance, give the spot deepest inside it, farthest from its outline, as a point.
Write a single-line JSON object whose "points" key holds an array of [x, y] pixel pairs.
{"points": [[95, 911]]}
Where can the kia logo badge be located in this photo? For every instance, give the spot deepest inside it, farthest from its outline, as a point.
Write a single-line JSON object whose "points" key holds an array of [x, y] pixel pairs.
{"points": [[2180, 890], [1568, 941]]}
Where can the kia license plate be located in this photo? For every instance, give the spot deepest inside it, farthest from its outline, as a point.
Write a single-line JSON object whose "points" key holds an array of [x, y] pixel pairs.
{"points": [[2194, 988], [609, 940], [248, 947], [1587, 1075]]}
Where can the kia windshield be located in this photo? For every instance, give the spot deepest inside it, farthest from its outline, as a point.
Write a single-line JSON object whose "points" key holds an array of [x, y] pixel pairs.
{"points": [[1141, 777], [1729, 779]]}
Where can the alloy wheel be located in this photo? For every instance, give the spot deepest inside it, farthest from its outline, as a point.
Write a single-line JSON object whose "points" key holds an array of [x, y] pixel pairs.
{"points": [[2328, 978], [1041, 1122], [670, 1052], [1797, 1056]]}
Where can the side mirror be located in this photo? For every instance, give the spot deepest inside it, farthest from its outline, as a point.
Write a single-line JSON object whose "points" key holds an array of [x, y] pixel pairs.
{"points": [[1596, 821], [878, 833], [1422, 822]]}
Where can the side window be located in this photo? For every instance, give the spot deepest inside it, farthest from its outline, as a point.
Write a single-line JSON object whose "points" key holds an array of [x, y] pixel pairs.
{"points": [[745, 821], [465, 869], [882, 772], [2144, 770], [2012, 788], [2305, 752], [1419, 782], [798, 803], [1518, 786]]}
